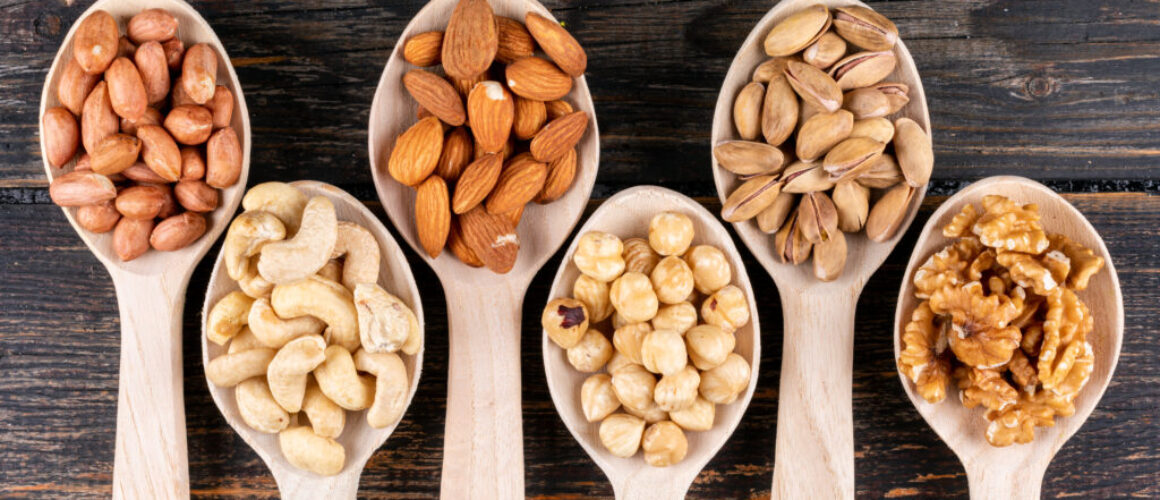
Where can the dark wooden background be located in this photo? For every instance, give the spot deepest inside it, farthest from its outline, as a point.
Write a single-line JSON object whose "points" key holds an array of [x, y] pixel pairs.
{"points": [[1062, 91]]}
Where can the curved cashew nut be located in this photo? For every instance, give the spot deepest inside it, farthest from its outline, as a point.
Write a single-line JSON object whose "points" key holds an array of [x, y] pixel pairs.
{"points": [[391, 386], [246, 236], [362, 254], [287, 371], [274, 331], [308, 451], [385, 323], [281, 199], [340, 381], [229, 370], [325, 300], [253, 284], [326, 418], [258, 408], [227, 317], [244, 341], [296, 258], [331, 271]]}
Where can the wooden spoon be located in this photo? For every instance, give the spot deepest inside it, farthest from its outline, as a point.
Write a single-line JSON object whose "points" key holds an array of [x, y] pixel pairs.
{"points": [[483, 442], [150, 459], [359, 438], [814, 454], [1016, 471], [627, 214]]}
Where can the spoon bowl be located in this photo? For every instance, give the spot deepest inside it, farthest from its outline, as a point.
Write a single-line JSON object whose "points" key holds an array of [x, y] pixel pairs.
{"points": [[358, 438], [483, 441], [627, 214], [1016, 471], [814, 453], [150, 458]]}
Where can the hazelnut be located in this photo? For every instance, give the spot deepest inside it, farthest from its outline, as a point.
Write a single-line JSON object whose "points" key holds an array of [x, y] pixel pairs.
{"points": [[639, 256], [670, 233], [663, 351], [677, 317], [594, 294], [651, 414], [698, 416], [565, 320], [672, 279], [618, 320], [711, 269], [664, 444], [599, 255], [727, 308], [591, 353], [621, 434], [617, 362], [708, 346], [677, 391], [633, 297], [634, 386], [597, 398], [628, 338], [724, 383]]}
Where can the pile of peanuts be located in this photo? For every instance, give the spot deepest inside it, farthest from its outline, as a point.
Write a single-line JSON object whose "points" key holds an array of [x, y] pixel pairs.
{"points": [[152, 148], [310, 333], [646, 290]]}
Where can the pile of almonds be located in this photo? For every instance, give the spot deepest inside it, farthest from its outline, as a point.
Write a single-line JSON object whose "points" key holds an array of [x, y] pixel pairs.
{"points": [[478, 154], [152, 148], [823, 86]]}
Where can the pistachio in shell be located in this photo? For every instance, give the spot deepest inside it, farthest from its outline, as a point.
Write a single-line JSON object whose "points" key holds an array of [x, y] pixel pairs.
{"points": [[888, 213], [826, 51], [790, 245], [751, 198], [863, 69], [749, 157], [879, 129], [797, 31], [830, 257], [770, 68], [817, 216], [851, 157], [896, 92], [915, 156], [814, 86], [822, 132], [747, 110], [852, 200], [866, 102], [865, 28], [772, 218], [802, 177], [779, 111], [884, 173]]}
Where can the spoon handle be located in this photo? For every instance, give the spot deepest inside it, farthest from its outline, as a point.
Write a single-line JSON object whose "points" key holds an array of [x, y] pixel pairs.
{"points": [[814, 457], [150, 459], [1006, 481], [483, 445], [294, 484]]}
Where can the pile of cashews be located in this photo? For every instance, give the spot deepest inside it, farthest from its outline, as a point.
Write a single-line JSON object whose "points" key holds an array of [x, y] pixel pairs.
{"points": [[310, 333]]}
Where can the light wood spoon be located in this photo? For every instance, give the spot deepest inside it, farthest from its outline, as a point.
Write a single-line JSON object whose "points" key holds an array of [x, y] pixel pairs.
{"points": [[150, 459], [1016, 471], [814, 453], [627, 214], [483, 441], [358, 437]]}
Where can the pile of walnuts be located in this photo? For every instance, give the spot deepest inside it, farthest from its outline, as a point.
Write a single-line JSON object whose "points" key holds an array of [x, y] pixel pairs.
{"points": [[1002, 298]]}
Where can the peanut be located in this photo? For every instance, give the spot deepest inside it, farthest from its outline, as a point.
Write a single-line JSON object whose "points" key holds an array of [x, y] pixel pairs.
{"points": [[199, 73], [62, 135], [131, 238], [196, 196], [190, 124], [177, 232], [126, 90], [223, 159]]}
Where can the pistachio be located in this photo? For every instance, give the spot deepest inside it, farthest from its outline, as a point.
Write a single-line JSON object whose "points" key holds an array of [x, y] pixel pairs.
{"points": [[915, 157], [802, 177], [865, 28], [770, 68], [747, 110], [851, 157], [807, 111], [770, 219], [817, 217], [789, 244], [826, 51], [779, 111], [749, 157], [897, 93], [879, 129], [797, 31], [751, 198], [814, 86], [821, 132], [862, 69], [888, 213], [830, 257], [866, 102], [882, 174], [852, 200]]}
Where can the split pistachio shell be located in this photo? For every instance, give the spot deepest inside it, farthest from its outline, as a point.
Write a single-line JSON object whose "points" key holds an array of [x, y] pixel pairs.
{"points": [[915, 156], [851, 157], [879, 129], [779, 111], [814, 86], [863, 69], [749, 157], [852, 201], [825, 51], [751, 198], [769, 69], [830, 257], [802, 177], [791, 246], [888, 213], [866, 102], [747, 110], [897, 93], [821, 132], [772, 218], [865, 28], [817, 217], [882, 174], [797, 31]]}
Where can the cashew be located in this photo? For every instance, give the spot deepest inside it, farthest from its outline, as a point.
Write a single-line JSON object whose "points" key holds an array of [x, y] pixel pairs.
{"points": [[246, 236], [326, 418], [227, 317], [325, 300], [287, 371], [274, 331], [244, 341], [331, 271], [340, 381], [253, 284], [229, 370], [385, 323], [413, 343], [391, 386], [281, 199], [308, 451], [361, 249], [296, 258], [258, 408]]}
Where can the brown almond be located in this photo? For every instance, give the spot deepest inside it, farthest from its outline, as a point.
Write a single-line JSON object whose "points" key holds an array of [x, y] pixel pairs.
{"points": [[199, 72], [520, 181], [913, 149], [471, 39], [561, 172], [140, 172], [223, 158], [515, 42], [459, 247], [131, 238], [529, 118], [140, 202], [514, 216], [152, 25], [538, 79], [476, 183], [177, 232], [747, 111], [492, 238], [557, 43], [160, 152], [221, 106], [749, 157], [80, 188], [189, 124], [779, 111], [491, 111], [74, 86], [154, 70], [174, 53], [126, 90], [436, 95], [61, 136], [98, 218], [416, 152], [456, 154], [192, 163], [464, 85], [888, 213], [95, 42], [98, 120], [750, 198], [432, 214], [559, 136], [424, 49], [116, 153], [557, 108], [196, 196]]}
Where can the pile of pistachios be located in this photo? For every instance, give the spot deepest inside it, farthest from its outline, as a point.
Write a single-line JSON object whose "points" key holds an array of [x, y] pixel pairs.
{"points": [[824, 86]]}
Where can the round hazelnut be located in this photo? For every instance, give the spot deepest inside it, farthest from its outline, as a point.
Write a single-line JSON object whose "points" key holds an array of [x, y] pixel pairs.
{"points": [[727, 308], [617, 362], [565, 320], [591, 353], [670, 233], [621, 434], [672, 279], [663, 352], [698, 416], [708, 346], [724, 383], [664, 444], [634, 386], [639, 256], [628, 338], [711, 269], [594, 294], [597, 398], [677, 391], [676, 317], [651, 414], [633, 297], [599, 255]]}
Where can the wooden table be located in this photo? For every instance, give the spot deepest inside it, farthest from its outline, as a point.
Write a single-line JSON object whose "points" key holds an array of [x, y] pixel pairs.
{"points": [[1064, 92]]}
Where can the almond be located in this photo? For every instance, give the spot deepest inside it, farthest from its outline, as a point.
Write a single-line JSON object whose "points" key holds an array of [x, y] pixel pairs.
{"points": [[464, 85], [459, 247], [435, 95], [555, 41], [98, 218], [477, 182], [151, 117], [189, 124], [80, 188], [154, 70], [160, 152], [199, 72], [456, 154], [559, 136], [223, 158], [74, 86], [491, 110], [416, 152], [140, 202], [471, 40], [538, 79], [152, 25], [221, 105], [515, 42], [492, 238], [561, 171], [114, 154], [177, 232], [432, 214], [514, 216], [95, 42], [509, 148], [192, 163], [424, 49], [131, 238], [557, 109], [530, 117], [61, 136], [98, 120], [521, 180], [174, 53], [196, 196]]}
